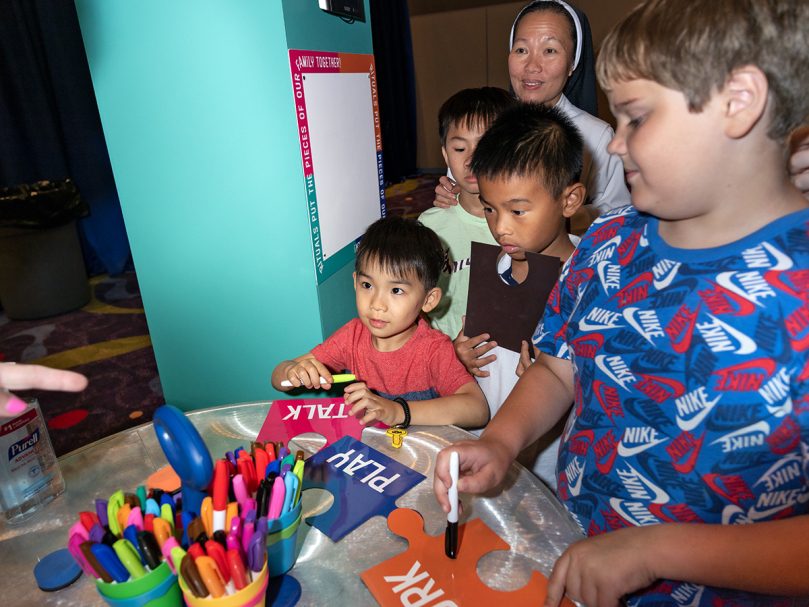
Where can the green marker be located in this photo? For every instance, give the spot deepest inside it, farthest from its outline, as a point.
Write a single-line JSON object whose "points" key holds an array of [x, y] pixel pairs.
{"points": [[339, 378]]}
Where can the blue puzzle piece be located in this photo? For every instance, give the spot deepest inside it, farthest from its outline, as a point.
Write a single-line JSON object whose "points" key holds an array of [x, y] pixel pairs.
{"points": [[363, 481]]}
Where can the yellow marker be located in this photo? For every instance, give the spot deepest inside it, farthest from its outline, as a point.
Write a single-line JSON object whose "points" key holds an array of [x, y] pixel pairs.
{"points": [[297, 470]]}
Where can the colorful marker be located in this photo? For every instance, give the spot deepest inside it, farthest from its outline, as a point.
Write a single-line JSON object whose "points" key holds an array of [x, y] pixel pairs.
{"points": [[339, 378]]}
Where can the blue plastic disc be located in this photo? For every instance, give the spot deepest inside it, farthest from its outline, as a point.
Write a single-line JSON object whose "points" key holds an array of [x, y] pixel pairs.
{"points": [[56, 570], [283, 591]]}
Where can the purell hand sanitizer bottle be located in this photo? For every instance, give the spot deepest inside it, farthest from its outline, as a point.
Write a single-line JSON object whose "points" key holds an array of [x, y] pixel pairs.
{"points": [[29, 473]]}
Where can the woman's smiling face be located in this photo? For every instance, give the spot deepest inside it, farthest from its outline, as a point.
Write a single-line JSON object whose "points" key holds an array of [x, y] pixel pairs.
{"points": [[541, 58]]}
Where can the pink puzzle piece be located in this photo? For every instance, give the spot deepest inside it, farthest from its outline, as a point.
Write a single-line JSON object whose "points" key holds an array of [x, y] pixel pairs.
{"points": [[325, 416], [423, 575]]}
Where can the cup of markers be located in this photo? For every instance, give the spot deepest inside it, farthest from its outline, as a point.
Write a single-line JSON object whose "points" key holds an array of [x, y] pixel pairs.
{"points": [[254, 510], [119, 546]]}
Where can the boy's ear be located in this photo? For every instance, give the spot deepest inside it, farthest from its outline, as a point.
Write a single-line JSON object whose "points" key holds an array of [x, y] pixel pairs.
{"points": [[745, 97], [354, 276], [444, 154], [431, 300], [572, 198]]}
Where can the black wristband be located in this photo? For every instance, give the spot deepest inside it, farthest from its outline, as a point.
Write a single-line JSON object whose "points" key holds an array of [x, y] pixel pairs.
{"points": [[406, 409]]}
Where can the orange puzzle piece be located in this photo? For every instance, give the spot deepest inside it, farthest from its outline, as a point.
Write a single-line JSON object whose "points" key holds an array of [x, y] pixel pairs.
{"points": [[423, 575]]}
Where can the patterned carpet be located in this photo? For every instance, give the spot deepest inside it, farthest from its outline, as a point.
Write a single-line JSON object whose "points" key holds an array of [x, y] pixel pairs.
{"points": [[108, 341], [412, 196]]}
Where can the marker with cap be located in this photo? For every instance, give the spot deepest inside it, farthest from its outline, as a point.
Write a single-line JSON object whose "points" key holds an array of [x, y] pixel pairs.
{"points": [[339, 378], [221, 481], [451, 534]]}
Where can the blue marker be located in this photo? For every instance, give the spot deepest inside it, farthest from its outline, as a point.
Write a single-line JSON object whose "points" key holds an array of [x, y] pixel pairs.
{"points": [[110, 562], [152, 507], [291, 484]]}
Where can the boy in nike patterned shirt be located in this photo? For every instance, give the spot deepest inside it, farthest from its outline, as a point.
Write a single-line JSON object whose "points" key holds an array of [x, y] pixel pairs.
{"points": [[680, 327]]}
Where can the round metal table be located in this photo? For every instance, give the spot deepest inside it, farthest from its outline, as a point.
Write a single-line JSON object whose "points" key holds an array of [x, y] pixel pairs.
{"points": [[525, 513]]}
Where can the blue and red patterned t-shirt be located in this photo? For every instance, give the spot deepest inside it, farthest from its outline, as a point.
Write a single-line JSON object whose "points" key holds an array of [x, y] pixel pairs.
{"points": [[692, 383]]}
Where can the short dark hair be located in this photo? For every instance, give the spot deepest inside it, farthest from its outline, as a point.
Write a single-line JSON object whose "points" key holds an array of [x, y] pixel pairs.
{"points": [[473, 108], [693, 46], [401, 246], [530, 139]]}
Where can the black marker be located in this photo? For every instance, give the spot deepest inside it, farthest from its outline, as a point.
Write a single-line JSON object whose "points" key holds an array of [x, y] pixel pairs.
{"points": [[451, 534]]}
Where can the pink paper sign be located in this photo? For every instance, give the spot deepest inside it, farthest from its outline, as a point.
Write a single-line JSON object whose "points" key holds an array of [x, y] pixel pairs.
{"points": [[325, 416]]}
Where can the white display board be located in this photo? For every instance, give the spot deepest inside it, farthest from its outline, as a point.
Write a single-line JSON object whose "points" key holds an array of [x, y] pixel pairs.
{"points": [[341, 150]]}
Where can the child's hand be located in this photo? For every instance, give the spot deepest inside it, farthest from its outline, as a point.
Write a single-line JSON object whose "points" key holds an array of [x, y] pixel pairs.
{"points": [[601, 569], [483, 465], [307, 372], [376, 408], [445, 193], [799, 160], [470, 351], [525, 358]]}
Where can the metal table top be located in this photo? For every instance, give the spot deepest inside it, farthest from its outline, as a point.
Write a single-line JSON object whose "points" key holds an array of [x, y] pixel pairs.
{"points": [[525, 514]]}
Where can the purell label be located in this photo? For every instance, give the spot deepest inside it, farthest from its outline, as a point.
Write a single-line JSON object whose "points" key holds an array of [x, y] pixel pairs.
{"points": [[18, 422], [23, 444]]}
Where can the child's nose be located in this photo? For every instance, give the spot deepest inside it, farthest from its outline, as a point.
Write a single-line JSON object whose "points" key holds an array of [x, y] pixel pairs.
{"points": [[502, 225], [378, 302], [617, 144]]}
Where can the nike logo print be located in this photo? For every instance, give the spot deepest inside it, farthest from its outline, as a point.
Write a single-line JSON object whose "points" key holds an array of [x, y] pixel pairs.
{"points": [[645, 322], [667, 278], [781, 410], [602, 365], [782, 261], [744, 344], [686, 425], [577, 471], [625, 451], [725, 280]]}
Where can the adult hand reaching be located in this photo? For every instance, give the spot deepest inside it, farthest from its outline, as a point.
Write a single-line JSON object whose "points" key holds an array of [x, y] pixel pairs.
{"points": [[31, 377]]}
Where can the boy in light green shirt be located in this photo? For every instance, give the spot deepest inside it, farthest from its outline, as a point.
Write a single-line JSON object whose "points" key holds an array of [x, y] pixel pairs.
{"points": [[462, 120]]}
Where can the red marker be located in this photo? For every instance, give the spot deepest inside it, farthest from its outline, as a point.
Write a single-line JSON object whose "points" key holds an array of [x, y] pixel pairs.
{"points": [[220, 494], [248, 471], [218, 554], [237, 570], [196, 550], [88, 519], [262, 459]]}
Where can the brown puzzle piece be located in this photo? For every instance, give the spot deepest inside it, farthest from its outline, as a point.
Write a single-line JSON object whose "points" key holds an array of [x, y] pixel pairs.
{"points": [[424, 575]]}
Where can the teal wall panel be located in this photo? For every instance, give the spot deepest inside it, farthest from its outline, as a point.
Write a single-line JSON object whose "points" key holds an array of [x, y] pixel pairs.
{"points": [[196, 103]]}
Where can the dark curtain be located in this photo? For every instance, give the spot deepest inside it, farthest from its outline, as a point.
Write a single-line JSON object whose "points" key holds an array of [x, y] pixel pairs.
{"points": [[49, 123], [396, 85]]}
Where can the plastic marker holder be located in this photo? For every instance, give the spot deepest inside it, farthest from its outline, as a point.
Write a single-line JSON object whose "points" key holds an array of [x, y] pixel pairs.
{"points": [[340, 378]]}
